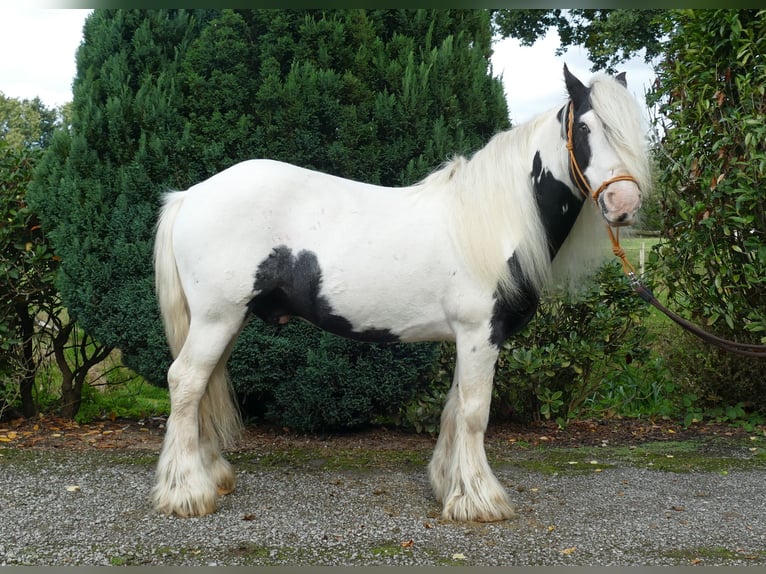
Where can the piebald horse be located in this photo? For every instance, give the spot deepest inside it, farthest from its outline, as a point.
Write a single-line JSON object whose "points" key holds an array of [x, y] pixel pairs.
{"points": [[462, 256]]}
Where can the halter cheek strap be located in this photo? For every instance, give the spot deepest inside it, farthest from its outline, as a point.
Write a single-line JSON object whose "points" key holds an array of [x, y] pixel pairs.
{"points": [[582, 184]]}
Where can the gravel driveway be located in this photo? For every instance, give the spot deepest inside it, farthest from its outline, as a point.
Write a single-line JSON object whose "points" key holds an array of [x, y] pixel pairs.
{"points": [[306, 505]]}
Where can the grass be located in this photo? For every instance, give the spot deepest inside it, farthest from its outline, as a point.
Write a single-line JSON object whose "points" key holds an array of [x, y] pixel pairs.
{"points": [[717, 456], [133, 399]]}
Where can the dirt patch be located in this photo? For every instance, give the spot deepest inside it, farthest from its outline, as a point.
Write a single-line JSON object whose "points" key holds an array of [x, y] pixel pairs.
{"points": [[56, 433]]}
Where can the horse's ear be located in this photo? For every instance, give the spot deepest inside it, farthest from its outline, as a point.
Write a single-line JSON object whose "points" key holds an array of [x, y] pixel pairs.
{"points": [[621, 78], [578, 93]]}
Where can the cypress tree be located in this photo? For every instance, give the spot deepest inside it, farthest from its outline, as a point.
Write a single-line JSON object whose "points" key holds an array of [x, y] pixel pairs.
{"points": [[167, 98]]}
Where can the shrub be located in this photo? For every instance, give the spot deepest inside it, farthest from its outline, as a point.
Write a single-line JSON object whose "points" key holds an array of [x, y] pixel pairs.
{"points": [[309, 380], [712, 175], [567, 352]]}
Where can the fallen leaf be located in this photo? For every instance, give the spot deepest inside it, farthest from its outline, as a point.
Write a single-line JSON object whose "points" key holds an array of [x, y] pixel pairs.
{"points": [[568, 551], [12, 435], [248, 517], [678, 508], [73, 488], [408, 543], [458, 556], [696, 561], [551, 528]]}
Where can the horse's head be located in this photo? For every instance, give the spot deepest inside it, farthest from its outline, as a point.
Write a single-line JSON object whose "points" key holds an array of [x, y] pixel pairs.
{"points": [[599, 150]]}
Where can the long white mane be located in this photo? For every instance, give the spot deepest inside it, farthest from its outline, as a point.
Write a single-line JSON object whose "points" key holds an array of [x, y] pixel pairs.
{"points": [[494, 211]]}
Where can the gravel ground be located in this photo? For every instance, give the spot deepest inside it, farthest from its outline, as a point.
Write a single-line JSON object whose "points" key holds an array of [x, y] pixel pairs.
{"points": [[60, 507]]}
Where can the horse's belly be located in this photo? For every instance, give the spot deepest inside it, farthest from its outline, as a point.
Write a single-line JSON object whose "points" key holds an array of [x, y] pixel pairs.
{"points": [[357, 299]]}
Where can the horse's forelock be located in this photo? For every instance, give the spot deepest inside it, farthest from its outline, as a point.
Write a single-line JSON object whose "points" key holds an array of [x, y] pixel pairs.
{"points": [[622, 119]]}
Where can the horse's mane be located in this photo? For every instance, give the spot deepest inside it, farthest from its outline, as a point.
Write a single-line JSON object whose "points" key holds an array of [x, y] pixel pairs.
{"points": [[494, 210]]}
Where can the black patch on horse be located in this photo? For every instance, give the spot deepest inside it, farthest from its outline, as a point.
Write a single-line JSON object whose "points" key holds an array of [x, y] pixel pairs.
{"points": [[558, 206], [580, 131], [510, 315], [289, 285]]}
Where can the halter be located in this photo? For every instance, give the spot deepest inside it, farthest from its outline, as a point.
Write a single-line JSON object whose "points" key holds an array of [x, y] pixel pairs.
{"points": [[585, 189]]}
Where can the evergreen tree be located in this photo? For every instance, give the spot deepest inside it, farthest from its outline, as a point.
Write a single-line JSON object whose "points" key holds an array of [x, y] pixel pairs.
{"points": [[97, 187], [167, 98]]}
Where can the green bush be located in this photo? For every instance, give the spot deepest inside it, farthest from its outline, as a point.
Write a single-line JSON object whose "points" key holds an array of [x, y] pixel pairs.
{"points": [[309, 380], [554, 367], [712, 174], [571, 348]]}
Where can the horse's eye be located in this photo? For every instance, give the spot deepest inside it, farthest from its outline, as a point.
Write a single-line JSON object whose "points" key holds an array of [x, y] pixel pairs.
{"points": [[583, 127]]}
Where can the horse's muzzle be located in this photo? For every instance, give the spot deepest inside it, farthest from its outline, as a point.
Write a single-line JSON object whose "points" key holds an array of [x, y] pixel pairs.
{"points": [[620, 202]]}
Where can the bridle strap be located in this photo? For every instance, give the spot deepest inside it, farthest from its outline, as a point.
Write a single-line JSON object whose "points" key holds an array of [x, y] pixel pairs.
{"points": [[582, 184]]}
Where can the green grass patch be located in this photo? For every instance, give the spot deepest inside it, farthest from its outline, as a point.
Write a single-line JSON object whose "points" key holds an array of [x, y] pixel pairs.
{"points": [[717, 553], [132, 399], [716, 455]]}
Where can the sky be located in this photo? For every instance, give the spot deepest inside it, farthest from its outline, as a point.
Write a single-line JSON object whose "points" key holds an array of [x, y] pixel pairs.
{"points": [[38, 47]]}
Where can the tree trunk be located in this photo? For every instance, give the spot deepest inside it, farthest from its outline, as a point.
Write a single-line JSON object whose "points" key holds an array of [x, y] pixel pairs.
{"points": [[67, 376], [28, 366]]}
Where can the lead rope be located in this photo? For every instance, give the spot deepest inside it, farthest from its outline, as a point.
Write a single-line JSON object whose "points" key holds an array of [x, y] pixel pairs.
{"points": [[744, 349]]}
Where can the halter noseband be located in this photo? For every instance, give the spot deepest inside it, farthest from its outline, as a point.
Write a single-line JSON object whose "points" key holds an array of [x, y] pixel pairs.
{"points": [[577, 175]]}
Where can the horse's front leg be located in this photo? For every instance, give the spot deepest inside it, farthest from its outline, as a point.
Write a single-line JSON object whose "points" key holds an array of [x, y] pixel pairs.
{"points": [[460, 474]]}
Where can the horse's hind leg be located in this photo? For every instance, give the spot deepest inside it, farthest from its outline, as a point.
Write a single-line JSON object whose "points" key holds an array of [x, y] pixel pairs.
{"points": [[220, 425], [186, 481], [460, 474]]}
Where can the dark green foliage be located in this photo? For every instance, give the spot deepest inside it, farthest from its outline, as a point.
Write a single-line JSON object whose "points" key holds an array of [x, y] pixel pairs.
{"points": [[166, 98], [332, 383], [27, 271], [562, 357], [97, 187], [378, 96], [559, 366], [713, 175]]}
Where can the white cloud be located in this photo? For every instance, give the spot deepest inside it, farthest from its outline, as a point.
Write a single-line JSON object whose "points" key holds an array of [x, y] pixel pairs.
{"points": [[533, 76], [39, 48]]}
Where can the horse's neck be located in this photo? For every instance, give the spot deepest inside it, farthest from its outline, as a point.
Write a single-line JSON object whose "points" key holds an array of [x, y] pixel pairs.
{"points": [[558, 203]]}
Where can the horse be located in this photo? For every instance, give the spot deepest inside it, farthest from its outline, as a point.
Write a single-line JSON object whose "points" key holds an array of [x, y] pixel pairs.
{"points": [[464, 256]]}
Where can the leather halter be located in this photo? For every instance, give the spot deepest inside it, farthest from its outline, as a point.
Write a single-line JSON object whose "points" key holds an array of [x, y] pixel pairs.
{"points": [[582, 184], [577, 174]]}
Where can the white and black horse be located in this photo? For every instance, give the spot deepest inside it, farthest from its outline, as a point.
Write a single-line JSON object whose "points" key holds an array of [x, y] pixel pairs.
{"points": [[462, 256]]}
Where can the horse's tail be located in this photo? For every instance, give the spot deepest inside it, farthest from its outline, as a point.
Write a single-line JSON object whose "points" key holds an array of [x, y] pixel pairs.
{"points": [[218, 410], [167, 283]]}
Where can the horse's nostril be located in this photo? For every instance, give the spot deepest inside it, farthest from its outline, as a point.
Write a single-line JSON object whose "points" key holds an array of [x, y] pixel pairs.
{"points": [[622, 217]]}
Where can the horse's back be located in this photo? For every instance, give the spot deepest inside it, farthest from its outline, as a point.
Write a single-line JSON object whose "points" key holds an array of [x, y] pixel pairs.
{"points": [[356, 259]]}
